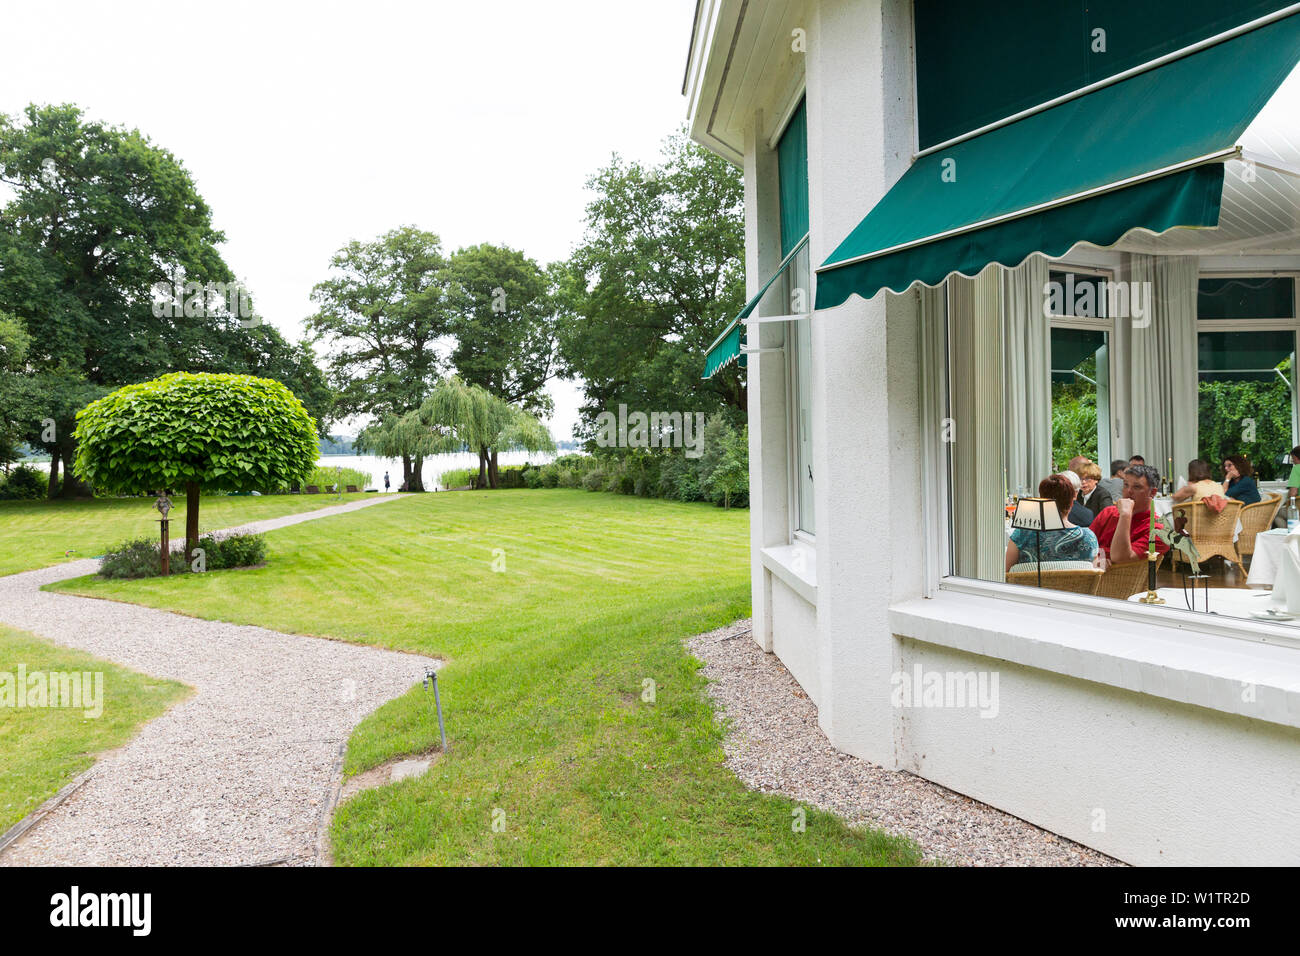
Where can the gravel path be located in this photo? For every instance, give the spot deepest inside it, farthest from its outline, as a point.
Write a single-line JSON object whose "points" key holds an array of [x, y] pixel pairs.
{"points": [[241, 771], [775, 745]]}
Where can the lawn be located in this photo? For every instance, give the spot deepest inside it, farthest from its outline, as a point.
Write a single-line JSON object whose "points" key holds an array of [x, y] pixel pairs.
{"points": [[553, 610], [36, 534], [43, 748]]}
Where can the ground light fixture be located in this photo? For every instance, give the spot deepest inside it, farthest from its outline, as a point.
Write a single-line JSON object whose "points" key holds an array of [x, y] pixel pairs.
{"points": [[431, 675], [1038, 515]]}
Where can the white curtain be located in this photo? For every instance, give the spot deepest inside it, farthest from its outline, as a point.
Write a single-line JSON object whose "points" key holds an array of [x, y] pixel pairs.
{"points": [[1026, 376], [975, 402], [1162, 379]]}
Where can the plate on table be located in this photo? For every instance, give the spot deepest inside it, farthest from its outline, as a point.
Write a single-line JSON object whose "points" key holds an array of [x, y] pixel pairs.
{"points": [[1272, 614]]}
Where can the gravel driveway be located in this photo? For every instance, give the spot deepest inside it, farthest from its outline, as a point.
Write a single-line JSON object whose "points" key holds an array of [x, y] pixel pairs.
{"points": [[775, 745], [240, 772]]}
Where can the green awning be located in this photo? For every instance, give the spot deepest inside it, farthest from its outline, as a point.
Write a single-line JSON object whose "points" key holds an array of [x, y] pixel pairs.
{"points": [[726, 347], [1144, 152], [1243, 356], [1071, 348]]}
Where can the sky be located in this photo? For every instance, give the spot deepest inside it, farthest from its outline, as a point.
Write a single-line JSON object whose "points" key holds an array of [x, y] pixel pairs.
{"points": [[308, 125]]}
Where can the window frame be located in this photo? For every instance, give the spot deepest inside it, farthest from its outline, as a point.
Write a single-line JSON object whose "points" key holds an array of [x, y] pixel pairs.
{"points": [[1104, 324], [937, 515], [1259, 325]]}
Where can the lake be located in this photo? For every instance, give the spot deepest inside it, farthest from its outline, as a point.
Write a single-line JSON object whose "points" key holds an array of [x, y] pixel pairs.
{"points": [[433, 467], [375, 467]]}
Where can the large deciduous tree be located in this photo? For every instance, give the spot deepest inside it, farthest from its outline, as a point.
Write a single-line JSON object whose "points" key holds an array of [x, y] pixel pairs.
{"points": [[200, 432], [472, 417], [657, 277], [99, 220], [504, 324], [382, 313]]}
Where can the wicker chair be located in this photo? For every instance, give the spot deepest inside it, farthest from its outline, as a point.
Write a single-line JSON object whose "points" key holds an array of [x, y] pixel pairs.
{"points": [[1084, 581], [1211, 533], [1254, 519], [1122, 581]]}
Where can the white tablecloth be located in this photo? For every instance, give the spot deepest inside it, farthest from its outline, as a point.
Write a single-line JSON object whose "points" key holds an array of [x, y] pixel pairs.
{"points": [[1268, 553]]}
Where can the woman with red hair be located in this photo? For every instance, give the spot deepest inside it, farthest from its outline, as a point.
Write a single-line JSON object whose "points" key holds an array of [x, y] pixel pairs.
{"points": [[1070, 543]]}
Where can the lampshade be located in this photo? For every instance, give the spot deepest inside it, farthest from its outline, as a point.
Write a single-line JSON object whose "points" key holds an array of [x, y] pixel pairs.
{"points": [[1037, 514]]}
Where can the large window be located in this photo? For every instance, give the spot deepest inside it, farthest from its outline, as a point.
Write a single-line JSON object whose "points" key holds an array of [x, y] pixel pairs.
{"points": [[792, 166], [1080, 342], [1246, 362], [1193, 366]]}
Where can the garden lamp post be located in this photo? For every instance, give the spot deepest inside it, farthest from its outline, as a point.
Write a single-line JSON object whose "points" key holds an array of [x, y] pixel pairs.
{"points": [[164, 505]]}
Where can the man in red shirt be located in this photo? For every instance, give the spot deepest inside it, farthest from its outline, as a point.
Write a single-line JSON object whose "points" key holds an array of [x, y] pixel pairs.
{"points": [[1123, 529]]}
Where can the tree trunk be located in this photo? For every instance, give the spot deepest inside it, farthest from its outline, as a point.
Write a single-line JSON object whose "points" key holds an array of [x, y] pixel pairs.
{"points": [[191, 520], [73, 487], [406, 473], [492, 469], [54, 474], [482, 467], [417, 473]]}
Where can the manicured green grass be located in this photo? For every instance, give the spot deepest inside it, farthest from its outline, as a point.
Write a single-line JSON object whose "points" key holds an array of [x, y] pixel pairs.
{"points": [[44, 748], [36, 534], [547, 661]]}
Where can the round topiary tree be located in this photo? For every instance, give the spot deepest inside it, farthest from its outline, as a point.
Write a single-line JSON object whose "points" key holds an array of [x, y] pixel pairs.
{"points": [[196, 431]]}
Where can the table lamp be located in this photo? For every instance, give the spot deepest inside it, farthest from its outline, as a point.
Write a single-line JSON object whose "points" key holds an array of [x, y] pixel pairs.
{"points": [[1038, 515]]}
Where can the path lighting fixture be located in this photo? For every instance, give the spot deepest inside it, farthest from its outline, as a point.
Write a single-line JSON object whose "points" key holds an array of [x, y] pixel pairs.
{"points": [[164, 505], [1038, 515], [432, 675]]}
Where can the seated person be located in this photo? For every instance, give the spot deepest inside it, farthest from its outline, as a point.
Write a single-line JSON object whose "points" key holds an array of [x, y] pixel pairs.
{"points": [[1078, 513], [1095, 496], [1070, 543], [1239, 480], [1200, 483], [1293, 482], [1114, 485], [1124, 528]]}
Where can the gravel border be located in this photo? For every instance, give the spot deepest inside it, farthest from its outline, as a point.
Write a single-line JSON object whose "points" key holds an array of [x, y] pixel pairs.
{"points": [[775, 745], [242, 771]]}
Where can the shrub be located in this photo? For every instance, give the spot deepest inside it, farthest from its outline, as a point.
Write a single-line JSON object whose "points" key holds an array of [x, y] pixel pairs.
{"points": [[550, 476], [594, 480], [324, 477], [457, 477], [24, 483], [236, 551], [569, 478], [140, 558], [132, 559]]}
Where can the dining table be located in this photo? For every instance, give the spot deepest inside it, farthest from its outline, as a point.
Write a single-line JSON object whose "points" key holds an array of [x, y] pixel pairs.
{"points": [[1267, 558]]}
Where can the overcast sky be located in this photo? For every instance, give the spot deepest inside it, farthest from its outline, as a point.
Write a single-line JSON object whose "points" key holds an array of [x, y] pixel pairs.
{"points": [[307, 125]]}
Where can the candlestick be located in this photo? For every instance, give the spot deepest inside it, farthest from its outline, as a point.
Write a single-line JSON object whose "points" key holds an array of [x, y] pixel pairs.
{"points": [[1152, 559]]}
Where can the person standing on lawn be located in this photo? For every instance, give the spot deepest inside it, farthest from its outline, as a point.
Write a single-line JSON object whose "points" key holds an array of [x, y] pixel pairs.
{"points": [[386, 482]]}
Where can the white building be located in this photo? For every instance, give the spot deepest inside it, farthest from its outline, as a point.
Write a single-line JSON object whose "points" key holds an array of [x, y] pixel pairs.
{"points": [[922, 171]]}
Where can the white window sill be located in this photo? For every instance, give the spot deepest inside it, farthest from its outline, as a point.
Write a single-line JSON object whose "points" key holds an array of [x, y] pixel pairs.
{"points": [[1169, 661], [796, 565]]}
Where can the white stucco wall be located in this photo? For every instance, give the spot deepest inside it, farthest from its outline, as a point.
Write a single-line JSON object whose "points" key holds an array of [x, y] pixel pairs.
{"points": [[1084, 725], [1145, 779]]}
